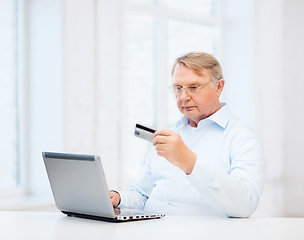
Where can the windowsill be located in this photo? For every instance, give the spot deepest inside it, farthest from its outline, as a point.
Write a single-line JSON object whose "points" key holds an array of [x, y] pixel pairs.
{"points": [[28, 203]]}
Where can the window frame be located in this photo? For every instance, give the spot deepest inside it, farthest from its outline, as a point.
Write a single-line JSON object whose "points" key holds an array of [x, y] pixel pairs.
{"points": [[21, 106]]}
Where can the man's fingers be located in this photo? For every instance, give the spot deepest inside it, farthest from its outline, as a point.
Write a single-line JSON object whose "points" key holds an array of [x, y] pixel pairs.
{"points": [[114, 198], [159, 139], [160, 147], [163, 132], [161, 153]]}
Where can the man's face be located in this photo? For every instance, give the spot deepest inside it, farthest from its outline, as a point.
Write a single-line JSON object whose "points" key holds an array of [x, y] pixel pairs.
{"points": [[202, 104]]}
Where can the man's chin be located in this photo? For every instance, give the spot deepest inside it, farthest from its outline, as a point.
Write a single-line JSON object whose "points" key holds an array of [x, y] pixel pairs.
{"points": [[190, 115]]}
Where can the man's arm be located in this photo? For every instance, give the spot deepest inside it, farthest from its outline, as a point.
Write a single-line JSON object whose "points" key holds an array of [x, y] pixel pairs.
{"points": [[139, 191], [235, 193]]}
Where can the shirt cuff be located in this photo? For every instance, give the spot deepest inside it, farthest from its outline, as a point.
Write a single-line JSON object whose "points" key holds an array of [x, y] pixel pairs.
{"points": [[131, 199]]}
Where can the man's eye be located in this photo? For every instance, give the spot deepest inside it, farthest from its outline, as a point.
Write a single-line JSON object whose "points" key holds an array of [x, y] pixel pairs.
{"points": [[193, 89], [178, 88]]}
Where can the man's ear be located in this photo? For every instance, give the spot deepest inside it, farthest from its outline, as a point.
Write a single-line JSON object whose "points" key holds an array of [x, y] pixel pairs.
{"points": [[220, 86]]}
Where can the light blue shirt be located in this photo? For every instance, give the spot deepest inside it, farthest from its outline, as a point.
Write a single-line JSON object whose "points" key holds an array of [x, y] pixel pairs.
{"points": [[227, 178]]}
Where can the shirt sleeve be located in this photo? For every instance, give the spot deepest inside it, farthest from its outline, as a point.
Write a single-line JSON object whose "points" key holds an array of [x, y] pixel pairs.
{"points": [[140, 189], [236, 192]]}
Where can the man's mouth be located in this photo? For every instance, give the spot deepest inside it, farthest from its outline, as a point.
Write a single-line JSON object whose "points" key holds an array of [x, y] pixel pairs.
{"points": [[188, 108]]}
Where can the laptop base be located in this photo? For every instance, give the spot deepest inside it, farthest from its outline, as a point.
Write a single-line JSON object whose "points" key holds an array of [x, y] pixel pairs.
{"points": [[117, 220]]}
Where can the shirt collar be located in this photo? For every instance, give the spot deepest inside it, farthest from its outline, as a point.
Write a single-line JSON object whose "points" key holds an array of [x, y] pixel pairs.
{"points": [[221, 117]]}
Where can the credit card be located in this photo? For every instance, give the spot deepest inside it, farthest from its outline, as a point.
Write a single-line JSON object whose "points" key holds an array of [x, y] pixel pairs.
{"points": [[144, 132]]}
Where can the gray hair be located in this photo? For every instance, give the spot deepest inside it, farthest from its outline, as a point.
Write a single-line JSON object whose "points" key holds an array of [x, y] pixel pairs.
{"points": [[198, 61]]}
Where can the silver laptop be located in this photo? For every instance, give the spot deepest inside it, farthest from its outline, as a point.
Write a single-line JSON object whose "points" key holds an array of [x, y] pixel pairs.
{"points": [[79, 187]]}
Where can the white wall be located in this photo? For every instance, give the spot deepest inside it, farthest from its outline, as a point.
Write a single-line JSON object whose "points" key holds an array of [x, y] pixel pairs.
{"points": [[91, 81], [293, 95], [279, 54], [237, 60], [79, 72], [43, 75]]}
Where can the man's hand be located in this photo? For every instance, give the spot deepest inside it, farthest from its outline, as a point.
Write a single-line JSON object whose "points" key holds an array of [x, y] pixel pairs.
{"points": [[115, 198], [170, 145]]}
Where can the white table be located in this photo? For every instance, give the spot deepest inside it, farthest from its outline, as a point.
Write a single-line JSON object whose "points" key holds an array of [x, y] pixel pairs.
{"points": [[42, 225]]}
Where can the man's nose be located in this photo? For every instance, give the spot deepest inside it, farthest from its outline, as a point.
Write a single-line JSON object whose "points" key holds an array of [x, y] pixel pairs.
{"points": [[184, 95]]}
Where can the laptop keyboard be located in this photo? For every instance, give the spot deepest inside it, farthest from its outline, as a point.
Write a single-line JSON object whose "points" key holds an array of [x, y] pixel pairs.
{"points": [[128, 212]]}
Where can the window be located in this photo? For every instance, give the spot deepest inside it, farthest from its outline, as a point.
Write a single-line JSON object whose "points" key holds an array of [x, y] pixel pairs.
{"points": [[154, 34], [9, 161], [147, 34]]}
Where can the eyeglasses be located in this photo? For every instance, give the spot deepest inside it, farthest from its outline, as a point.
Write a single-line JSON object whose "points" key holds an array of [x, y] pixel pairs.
{"points": [[190, 90]]}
